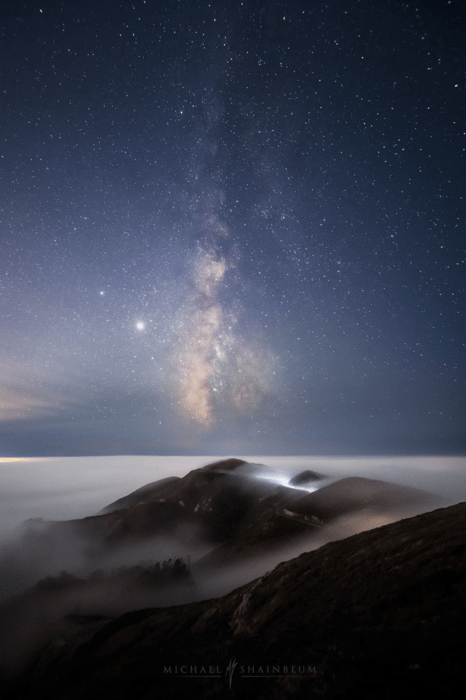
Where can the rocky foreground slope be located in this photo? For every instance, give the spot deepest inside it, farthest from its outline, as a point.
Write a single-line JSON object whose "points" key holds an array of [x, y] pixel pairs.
{"points": [[380, 614]]}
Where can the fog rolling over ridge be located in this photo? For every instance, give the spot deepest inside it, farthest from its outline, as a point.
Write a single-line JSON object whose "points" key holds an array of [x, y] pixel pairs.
{"points": [[232, 348], [124, 510], [74, 487], [178, 539]]}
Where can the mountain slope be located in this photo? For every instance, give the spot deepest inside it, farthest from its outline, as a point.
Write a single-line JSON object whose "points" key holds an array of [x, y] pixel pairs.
{"points": [[381, 614], [224, 508], [285, 516], [224, 504], [143, 494]]}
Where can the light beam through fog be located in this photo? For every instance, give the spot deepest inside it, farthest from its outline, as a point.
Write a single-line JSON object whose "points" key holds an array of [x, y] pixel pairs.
{"points": [[75, 487], [227, 228], [219, 527]]}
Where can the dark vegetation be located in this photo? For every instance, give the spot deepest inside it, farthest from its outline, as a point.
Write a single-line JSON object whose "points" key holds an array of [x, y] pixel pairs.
{"points": [[379, 615], [143, 574], [369, 611]]}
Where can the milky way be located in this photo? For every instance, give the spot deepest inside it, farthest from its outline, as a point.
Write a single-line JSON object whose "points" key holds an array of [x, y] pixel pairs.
{"points": [[232, 229], [215, 365]]}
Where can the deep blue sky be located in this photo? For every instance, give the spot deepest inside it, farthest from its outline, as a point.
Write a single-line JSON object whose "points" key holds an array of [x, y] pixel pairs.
{"points": [[233, 227]]}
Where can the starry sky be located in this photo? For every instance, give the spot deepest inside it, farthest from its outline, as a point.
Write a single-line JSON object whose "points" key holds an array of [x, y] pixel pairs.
{"points": [[232, 227]]}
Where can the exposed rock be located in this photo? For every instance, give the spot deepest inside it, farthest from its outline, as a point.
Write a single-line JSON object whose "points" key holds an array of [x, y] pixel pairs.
{"points": [[221, 507], [152, 491], [285, 516], [241, 516], [381, 614]]}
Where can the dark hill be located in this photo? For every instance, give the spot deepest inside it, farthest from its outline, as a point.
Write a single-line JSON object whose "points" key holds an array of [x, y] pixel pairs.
{"points": [[381, 614], [156, 489], [209, 503], [306, 477], [222, 508], [188, 515], [356, 493], [147, 492], [232, 508], [334, 511]]}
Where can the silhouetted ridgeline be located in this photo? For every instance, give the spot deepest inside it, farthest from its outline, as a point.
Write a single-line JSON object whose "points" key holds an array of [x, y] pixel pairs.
{"points": [[381, 614]]}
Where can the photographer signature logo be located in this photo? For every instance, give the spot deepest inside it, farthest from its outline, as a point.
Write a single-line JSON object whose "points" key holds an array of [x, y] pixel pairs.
{"points": [[241, 670], [230, 670]]}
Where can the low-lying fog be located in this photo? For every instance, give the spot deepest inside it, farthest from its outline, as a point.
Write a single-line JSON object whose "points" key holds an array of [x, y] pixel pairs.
{"points": [[61, 489], [74, 487]]}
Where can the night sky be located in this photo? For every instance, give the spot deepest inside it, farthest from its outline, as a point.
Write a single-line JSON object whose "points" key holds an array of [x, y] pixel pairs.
{"points": [[232, 228]]}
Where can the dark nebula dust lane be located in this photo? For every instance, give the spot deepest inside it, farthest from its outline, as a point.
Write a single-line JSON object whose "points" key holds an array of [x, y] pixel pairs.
{"points": [[232, 228]]}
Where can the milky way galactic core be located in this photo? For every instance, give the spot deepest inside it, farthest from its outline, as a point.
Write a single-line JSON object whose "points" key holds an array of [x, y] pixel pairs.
{"points": [[232, 228]]}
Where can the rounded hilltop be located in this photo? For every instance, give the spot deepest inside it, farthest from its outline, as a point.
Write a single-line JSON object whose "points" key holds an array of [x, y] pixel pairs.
{"points": [[226, 465]]}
